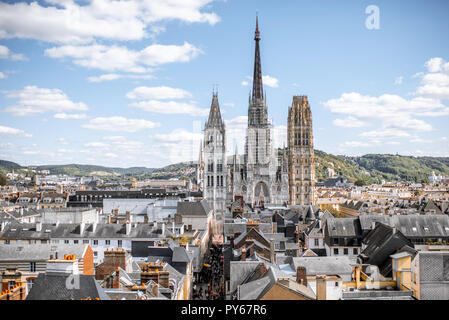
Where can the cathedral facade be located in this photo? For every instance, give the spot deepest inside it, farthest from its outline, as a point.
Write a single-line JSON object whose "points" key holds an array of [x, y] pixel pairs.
{"points": [[262, 178], [265, 174]]}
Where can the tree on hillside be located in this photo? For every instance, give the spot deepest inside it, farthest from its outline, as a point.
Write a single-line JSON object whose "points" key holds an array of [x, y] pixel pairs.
{"points": [[3, 179]]}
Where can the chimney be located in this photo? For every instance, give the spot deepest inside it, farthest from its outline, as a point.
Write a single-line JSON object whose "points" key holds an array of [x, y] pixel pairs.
{"points": [[154, 289], [116, 279], [128, 216], [128, 228], [163, 228], [262, 268], [82, 227], [112, 260], [39, 226], [243, 253], [272, 251], [231, 240], [321, 287], [301, 275], [164, 278], [69, 265], [109, 219]]}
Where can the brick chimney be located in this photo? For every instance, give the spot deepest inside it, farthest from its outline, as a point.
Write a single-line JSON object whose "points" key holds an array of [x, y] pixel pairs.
{"points": [[301, 275], [321, 287], [128, 216], [262, 268], [164, 278], [154, 289], [116, 279], [243, 253], [113, 259]]}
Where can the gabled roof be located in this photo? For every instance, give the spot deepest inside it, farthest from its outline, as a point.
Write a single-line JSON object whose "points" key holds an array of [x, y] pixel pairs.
{"points": [[197, 208], [343, 227], [324, 265], [53, 287], [40, 252], [243, 236], [382, 242]]}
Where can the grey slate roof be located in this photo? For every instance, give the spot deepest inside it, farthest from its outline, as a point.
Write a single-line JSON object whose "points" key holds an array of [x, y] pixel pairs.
{"points": [[198, 208], [70, 230], [39, 252], [324, 265], [343, 227], [53, 287]]}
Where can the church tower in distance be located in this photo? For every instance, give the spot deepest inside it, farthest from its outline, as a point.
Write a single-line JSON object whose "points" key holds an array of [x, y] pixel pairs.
{"points": [[215, 172], [301, 158]]}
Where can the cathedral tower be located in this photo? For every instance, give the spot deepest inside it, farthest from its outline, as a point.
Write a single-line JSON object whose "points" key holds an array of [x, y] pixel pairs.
{"points": [[259, 161], [215, 173], [301, 158]]}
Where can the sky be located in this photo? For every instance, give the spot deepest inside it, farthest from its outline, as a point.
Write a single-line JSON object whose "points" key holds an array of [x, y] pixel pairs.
{"points": [[129, 83]]}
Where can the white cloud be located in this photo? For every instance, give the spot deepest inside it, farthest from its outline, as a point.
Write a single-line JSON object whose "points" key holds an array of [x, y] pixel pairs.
{"points": [[115, 76], [178, 145], [355, 144], [161, 92], [66, 116], [399, 80], [266, 79], [436, 83], [12, 132], [66, 21], [229, 104], [434, 64], [350, 122], [111, 155], [5, 53], [179, 135], [393, 143], [120, 58], [120, 124], [385, 133], [170, 107], [96, 145], [34, 100], [3, 76], [270, 81]]}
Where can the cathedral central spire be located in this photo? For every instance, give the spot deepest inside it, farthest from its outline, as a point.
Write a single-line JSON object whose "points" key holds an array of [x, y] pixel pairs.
{"points": [[257, 78]]}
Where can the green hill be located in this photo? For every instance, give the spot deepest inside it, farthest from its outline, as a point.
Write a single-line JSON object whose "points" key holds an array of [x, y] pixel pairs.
{"points": [[367, 169], [8, 165]]}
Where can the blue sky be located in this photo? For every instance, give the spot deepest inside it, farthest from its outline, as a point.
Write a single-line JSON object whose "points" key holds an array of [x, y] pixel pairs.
{"points": [[129, 83]]}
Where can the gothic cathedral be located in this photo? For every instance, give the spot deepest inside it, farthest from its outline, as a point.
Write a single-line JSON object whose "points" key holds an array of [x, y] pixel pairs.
{"points": [[266, 175]]}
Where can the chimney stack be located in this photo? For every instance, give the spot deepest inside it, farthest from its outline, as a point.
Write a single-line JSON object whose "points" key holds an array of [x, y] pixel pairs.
{"points": [[321, 287], [301, 275], [243, 253], [128, 228], [262, 268], [39, 226]]}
